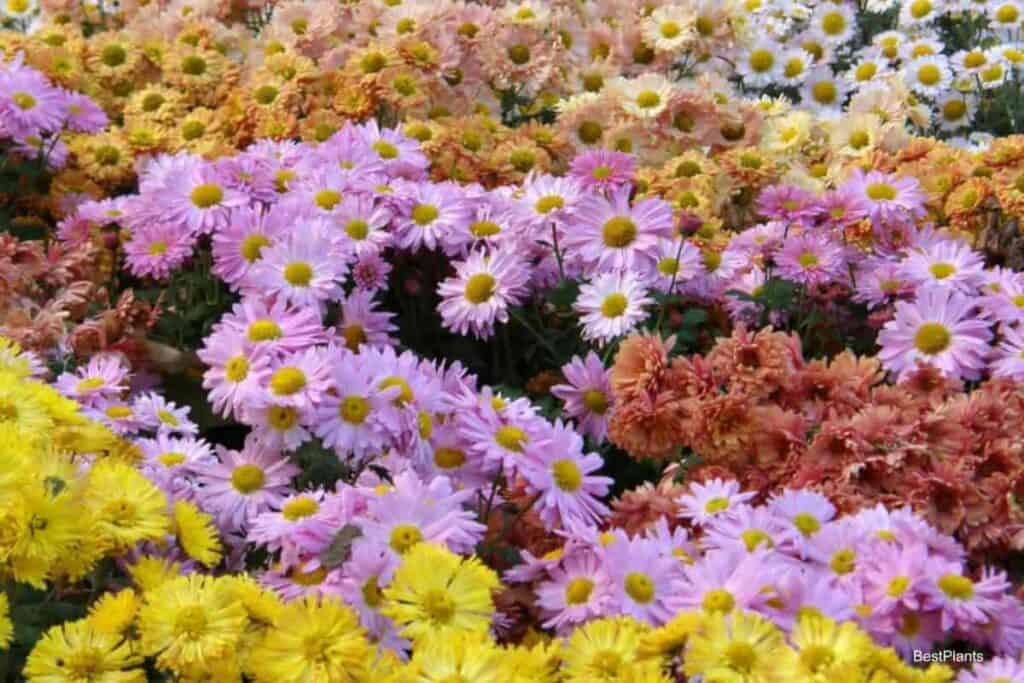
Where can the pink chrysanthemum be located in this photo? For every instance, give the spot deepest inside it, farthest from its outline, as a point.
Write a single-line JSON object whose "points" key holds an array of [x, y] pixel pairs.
{"points": [[103, 378], [430, 213], [299, 380], [158, 414], [644, 577], [304, 270], [156, 249], [811, 259], [880, 282], [706, 501], [611, 305], [241, 244], [198, 200], [275, 328], [362, 324], [236, 371], [950, 264], [356, 416], [676, 263], [243, 484], [370, 272], [481, 291], [940, 328], [579, 590], [786, 203], [82, 114], [587, 396], [723, 581], [887, 199], [610, 234], [996, 670], [603, 170], [364, 221], [1008, 357], [964, 603]]}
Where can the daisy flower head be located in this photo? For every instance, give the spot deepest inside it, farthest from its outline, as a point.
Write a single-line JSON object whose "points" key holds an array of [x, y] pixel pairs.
{"points": [[157, 249], [173, 462], [887, 199], [362, 324], [1006, 16], [928, 76], [761, 65], [796, 63], [104, 378], [398, 155], [165, 417], [19, 9], [277, 528], [274, 328], [430, 212], [811, 259], [786, 203], [197, 199], [302, 270], [948, 263], [747, 529], [299, 380], [834, 22], [549, 200], [807, 511], [613, 234], [240, 485], [30, 105], [669, 29], [677, 261], [823, 92], [610, 305], [880, 281], [643, 577], [364, 221], [278, 425], [587, 394], [996, 72], [603, 170], [356, 417], [918, 13], [643, 97], [557, 469], [78, 650], [940, 328], [707, 500], [1008, 358], [577, 590], [82, 114], [480, 293], [240, 245], [964, 603], [738, 646], [869, 69], [955, 110]]}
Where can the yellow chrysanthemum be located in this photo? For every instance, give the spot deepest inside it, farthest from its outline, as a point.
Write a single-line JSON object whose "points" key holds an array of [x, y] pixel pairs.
{"points": [[739, 646], [524, 664], [6, 626], [36, 529], [149, 573], [197, 534], [822, 646], [22, 410], [128, 507], [114, 613], [190, 623], [13, 359], [466, 656], [670, 639], [602, 649], [436, 592], [76, 651], [315, 639]]}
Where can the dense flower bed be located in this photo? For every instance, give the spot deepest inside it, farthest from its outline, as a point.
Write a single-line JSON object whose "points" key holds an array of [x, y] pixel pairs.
{"points": [[507, 342]]}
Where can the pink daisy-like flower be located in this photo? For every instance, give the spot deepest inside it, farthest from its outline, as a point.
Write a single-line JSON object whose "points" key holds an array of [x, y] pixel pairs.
{"points": [[362, 324], [611, 305], [587, 396], [896, 577], [706, 501], [366, 573], [157, 413], [786, 203], [251, 175], [172, 462], [481, 291], [415, 511], [557, 469], [579, 590], [103, 378], [1005, 303], [610, 234], [811, 259], [499, 435], [370, 272], [549, 201], [643, 578], [797, 592], [156, 249], [676, 262], [399, 156], [303, 270], [29, 105], [299, 380], [964, 602], [723, 581], [807, 511], [746, 529], [495, 221], [995, 670], [603, 170], [240, 245], [277, 425], [277, 328], [887, 199], [837, 210], [277, 527], [364, 222], [318, 190], [242, 484], [236, 371], [1008, 357], [1004, 633], [116, 414], [908, 630], [198, 200], [880, 282], [356, 417], [837, 548], [940, 328], [82, 114], [950, 264], [431, 212]]}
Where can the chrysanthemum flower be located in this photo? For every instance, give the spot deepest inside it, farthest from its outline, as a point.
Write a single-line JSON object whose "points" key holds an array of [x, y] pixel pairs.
{"points": [[197, 200], [128, 507], [240, 245], [480, 293], [645, 96], [824, 647], [760, 65], [610, 306], [156, 249], [171, 462], [158, 414], [928, 76], [587, 394], [941, 329], [76, 650], [1008, 357], [275, 327], [104, 377], [365, 222], [643, 577], [807, 511], [305, 270], [949, 263], [600, 649], [435, 592], [603, 170], [886, 198], [746, 529], [430, 213], [963, 602], [716, 497], [197, 534], [578, 590], [994, 670], [811, 259], [242, 484], [740, 644], [30, 105], [356, 417]]}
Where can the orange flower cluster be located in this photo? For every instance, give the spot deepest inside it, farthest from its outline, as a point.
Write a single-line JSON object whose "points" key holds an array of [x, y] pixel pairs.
{"points": [[754, 409]]}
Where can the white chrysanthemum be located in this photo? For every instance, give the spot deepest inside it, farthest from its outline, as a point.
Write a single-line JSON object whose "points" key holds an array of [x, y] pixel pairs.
{"points": [[761, 65], [928, 76], [920, 12], [645, 97], [969, 61], [796, 64], [995, 74], [922, 46], [669, 28], [889, 44], [955, 110], [835, 23], [856, 133], [611, 305], [823, 92], [1006, 15], [18, 9], [869, 69]]}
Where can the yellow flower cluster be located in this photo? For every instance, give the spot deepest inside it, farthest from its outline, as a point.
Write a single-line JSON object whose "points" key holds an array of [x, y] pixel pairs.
{"points": [[223, 629]]}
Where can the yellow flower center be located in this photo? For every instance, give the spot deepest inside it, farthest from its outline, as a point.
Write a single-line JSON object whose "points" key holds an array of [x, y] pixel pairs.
{"points": [[833, 23], [898, 586], [171, 458], [589, 132], [910, 624], [705, 26], [480, 288], [190, 622], [247, 478], [807, 524], [449, 458], [206, 195], [741, 656], [118, 412], [639, 587], [817, 658], [405, 394], [596, 401], [113, 55], [265, 94], [354, 409], [619, 232], [859, 139], [881, 192], [752, 538], [287, 381], [193, 65], [614, 305], [167, 417], [403, 537], [762, 60], [865, 71], [438, 606], [511, 438], [647, 99], [298, 273], [716, 505], [264, 330], [549, 203], [385, 149], [940, 271], [919, 9], [668, 266], [974, 59], [824, 92], [519, 54], [372, 595], [808, 260], [192, 130], [932, 338], [1007, 14], [89, 384], [157, 248], [843, 561], [424, 214], [252, 247], [282, 418], [357, 229], [567, 475], [956, 586], [354, 335], [669, 29], [425, 424], [929, 74], [578, 591], [484, 229], [522, 159], [327, 199], [297, 508]]}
